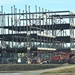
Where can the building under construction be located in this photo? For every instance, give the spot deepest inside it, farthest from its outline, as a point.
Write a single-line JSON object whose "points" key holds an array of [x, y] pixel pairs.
{"points": [[31, 33]]}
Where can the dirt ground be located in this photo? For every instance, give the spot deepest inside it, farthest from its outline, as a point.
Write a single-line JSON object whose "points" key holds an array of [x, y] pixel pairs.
{"points": [[59, 74], [37, 74], [45, 71]]}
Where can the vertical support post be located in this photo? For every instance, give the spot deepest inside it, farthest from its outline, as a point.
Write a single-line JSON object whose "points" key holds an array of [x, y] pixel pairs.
{"points": [[40, 24], [16, 24], [36, 28], [2, 19], [50, 30], [2, 25], [29, 27], [12, 24], [2, 33], [43, 26], [17, 20], [8, 30], [43, 19], [19, 26], [46, 29], [36, 24], [12, 29], [27, 34], [24, 27], [33, 22]]}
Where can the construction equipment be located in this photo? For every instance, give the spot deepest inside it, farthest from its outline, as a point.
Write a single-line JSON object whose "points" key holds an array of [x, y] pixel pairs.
{"points": [[72, 59], [63, 57]]}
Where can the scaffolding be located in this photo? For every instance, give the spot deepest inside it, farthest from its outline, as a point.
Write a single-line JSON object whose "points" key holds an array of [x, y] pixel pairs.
{"points": [[43, 30]]}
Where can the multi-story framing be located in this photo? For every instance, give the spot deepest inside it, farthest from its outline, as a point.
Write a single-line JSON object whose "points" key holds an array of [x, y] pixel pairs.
{"points": [[33, 32]]}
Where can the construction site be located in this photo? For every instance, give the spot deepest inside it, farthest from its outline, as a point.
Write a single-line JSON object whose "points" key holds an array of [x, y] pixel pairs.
{"points": [[39, 34]]}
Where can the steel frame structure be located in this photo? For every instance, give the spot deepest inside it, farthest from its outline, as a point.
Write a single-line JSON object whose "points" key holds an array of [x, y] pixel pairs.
{"points": [[42, 30]]}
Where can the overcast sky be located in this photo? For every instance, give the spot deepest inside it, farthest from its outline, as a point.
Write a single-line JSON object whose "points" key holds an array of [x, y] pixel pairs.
{"points": [[47, 4]]}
